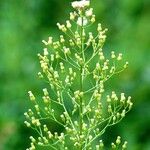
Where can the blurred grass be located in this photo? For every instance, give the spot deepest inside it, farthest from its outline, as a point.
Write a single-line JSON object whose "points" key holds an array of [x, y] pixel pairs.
{"points": [[23, 24]]}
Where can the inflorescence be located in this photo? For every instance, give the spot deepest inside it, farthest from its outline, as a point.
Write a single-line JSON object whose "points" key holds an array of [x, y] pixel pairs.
{"points": [[76, 70]]}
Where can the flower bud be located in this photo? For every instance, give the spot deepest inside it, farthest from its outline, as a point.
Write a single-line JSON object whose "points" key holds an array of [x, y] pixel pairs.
{"points": [[32, 98], [118, 141], [72, 16], [68, 24]]}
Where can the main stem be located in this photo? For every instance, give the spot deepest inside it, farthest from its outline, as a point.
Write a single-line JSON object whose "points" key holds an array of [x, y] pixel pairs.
{"points": [[81, 86]]}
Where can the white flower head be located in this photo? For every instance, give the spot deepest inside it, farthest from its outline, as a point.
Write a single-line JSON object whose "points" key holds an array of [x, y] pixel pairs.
{"points": [[79, 21], [89, 12], [80, 4]]}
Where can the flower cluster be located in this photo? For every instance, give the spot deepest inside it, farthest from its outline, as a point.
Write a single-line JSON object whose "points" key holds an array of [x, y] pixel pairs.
{"points": [[76, 69], [80, 4]]}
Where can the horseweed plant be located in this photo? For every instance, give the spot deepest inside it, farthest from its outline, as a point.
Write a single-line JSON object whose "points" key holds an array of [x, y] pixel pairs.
{"points": [[76, 71]]}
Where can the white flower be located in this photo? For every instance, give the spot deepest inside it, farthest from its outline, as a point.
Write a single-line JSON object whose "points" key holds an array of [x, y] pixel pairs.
{"points": [[80, 23], [80, 4], [89, 12]]}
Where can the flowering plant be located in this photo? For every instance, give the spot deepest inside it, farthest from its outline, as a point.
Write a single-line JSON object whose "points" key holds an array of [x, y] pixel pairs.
{"points": [[76, 70]]}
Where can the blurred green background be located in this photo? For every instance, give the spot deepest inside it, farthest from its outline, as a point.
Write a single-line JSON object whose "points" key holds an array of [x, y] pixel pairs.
{"points": [[24, 23]]}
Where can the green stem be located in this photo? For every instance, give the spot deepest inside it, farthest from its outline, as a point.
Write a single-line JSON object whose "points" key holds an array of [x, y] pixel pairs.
{"points": [[81, 86], [81, 111]]}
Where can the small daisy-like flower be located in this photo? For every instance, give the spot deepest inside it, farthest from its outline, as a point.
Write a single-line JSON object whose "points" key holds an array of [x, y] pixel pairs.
{"points": [[80, 4]]}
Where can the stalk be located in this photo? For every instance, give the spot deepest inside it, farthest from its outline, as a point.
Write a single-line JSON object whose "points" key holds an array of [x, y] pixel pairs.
{"points": [[81, 84]]}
